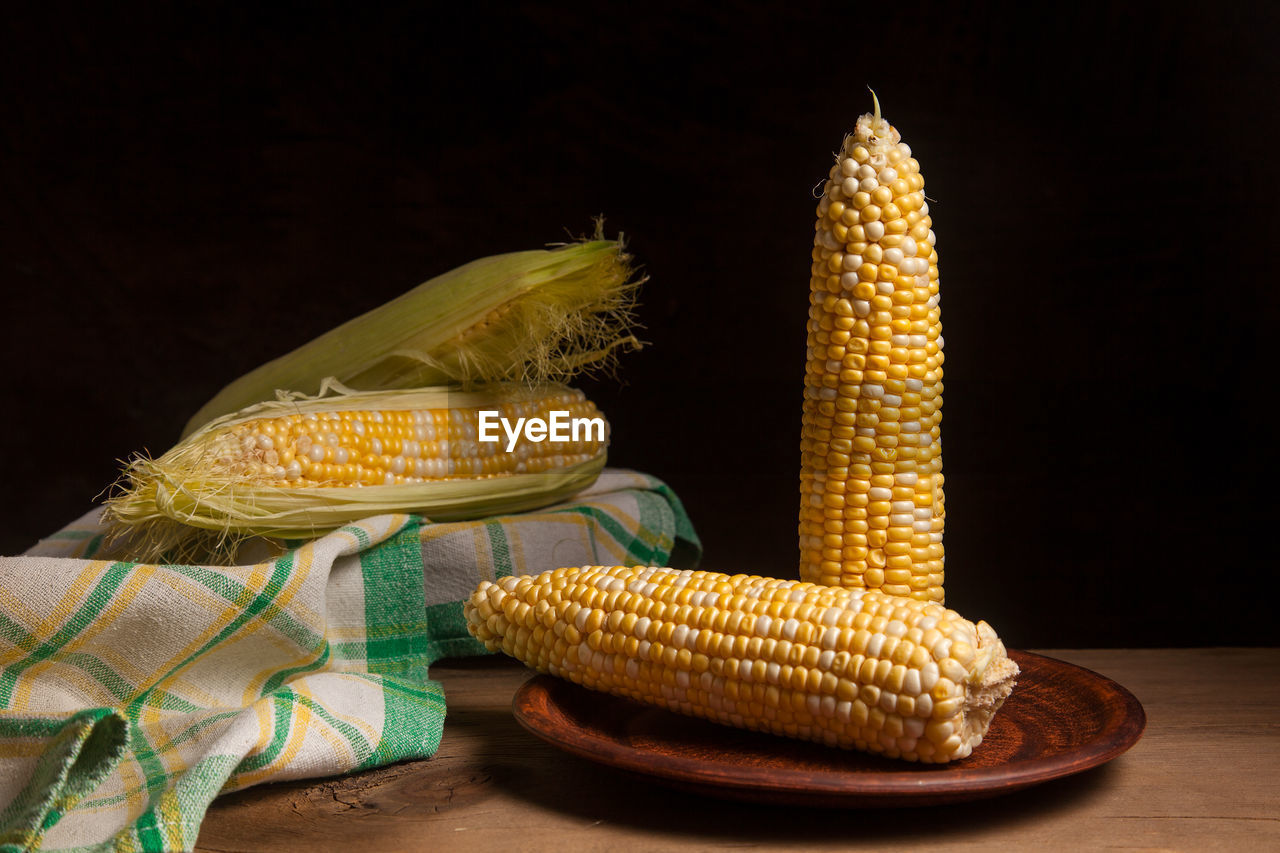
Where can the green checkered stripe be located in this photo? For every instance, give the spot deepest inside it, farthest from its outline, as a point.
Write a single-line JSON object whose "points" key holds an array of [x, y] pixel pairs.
{"points": [[131, 695]]}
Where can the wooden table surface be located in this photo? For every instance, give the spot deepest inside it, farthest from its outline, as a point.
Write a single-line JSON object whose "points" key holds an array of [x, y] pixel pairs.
{"points": [[1205, 776]]}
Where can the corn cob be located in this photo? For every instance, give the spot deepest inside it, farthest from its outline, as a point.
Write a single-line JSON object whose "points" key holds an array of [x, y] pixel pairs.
{"points": [[534, 316], [871, 512], [845, 667], [297, 468]]}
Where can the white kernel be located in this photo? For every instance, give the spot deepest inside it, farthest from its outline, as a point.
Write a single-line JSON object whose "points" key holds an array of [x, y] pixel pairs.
{"points": [[879, 493], [874, 645], [918, 341], [679, 635], [902, 506], [861, 307], [849, 280], [884, 287], [865, 171], [848, 166], [908, 246], [887, 175], [873, 391], [915, 384], [893, 400], [852, 262], [867, 185], [908, 427], [906, 478], [928, 678], [911, 684], [875, 230], [763, 621], [923, 512], [901, 519], [893, 256], [849, 186]]}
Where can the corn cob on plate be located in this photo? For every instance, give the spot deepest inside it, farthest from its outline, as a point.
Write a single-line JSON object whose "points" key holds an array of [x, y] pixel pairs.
{"points": [[1062, 719], [843, 667]]}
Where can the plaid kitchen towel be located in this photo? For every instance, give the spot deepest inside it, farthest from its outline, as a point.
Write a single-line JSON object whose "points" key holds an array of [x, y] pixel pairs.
{"points": [[131, 695]]}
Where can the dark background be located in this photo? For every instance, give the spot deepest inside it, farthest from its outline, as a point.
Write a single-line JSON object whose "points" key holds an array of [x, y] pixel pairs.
{"points": [[187, 193]]}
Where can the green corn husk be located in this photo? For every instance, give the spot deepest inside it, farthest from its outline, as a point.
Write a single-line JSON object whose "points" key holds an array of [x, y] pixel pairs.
{"points": [[186, 506], [534, 316]]}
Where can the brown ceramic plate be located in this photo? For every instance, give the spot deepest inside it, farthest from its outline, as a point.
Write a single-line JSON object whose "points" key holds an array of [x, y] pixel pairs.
{"points": [[1061, 719]]}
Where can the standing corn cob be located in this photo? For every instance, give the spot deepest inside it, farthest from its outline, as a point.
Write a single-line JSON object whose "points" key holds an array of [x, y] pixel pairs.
{"points": [[871, 510], [296, 468], [845, 667]]}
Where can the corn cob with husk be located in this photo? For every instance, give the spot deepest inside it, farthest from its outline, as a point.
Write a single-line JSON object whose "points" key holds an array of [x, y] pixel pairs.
{"points": [[871, 511], [535, 316], [296, 468], [351, 425], [845, 667]]}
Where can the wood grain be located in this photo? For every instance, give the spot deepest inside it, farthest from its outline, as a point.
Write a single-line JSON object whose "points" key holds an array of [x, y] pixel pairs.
{"points": [[1203, 777]]}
